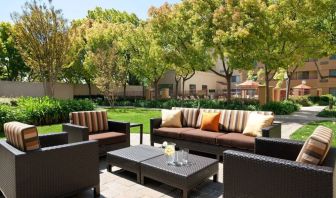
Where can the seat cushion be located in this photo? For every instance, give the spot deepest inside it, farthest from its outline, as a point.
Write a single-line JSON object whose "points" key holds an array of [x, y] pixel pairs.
{"points": [[198, 135], [236, 140], [108, 138], [171, 132]]}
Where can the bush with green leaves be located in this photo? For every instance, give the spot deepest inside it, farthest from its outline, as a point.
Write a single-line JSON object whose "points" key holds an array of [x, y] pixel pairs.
{"points": [[327, 113], [321, 100], [42, 111], [302, 100], [281, 108]]}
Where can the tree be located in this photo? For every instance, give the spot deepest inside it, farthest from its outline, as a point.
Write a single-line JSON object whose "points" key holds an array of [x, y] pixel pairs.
{"points": [[79, 37], [41, 33], [221, 26], [182, 52], [106, 59], [13, 67], [148, 60]]}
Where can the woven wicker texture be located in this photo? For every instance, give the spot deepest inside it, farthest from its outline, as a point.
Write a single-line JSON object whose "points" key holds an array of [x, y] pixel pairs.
{"points": [[137, 153]]}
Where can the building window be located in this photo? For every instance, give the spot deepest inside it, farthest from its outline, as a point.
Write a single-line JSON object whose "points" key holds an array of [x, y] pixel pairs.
{"points": [[192, 89], [313, 75], [332, 91], [332, 72], [303, 75], [235, 79], [333, 57]]}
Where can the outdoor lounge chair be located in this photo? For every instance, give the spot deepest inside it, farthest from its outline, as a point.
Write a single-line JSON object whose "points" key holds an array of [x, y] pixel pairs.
{"points": [[93, 125], [55, 169], [273, 172]]}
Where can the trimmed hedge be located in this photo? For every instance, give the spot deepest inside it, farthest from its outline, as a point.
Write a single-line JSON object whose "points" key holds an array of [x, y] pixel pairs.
{"points": [[281, 108], [302, 100], [327, 113], [321, 100], [42, 111]]}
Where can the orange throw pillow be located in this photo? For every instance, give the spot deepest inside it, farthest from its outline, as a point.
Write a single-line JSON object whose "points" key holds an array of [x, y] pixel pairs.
{"points": [[210, 121]]}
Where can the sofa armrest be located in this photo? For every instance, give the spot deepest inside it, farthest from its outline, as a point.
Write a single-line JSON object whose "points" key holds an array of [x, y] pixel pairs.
{"points": [[76, 133], [122, 127], [279, 148], [53, 139], [155, 123], [59, 166], [272, 131], [252, 175]]}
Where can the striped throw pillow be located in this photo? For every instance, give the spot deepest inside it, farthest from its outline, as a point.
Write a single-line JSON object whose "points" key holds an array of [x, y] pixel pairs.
{"points": [[316, 146], [22, 136], [95, 121]]}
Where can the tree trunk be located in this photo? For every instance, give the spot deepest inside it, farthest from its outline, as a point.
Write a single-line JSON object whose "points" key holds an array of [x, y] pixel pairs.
{"points": [[156, 85], [267, 88], [143, 91], [90, 88], [228, 87], [176, 89], [183, 92], [288, 85], [124, 91]]}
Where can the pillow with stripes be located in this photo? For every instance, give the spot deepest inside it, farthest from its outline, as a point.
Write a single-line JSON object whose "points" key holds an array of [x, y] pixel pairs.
{"points": [[316, 146]]}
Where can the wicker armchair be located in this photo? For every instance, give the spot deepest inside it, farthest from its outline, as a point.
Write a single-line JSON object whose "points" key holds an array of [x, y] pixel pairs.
{"points": [[114, 135], [273, 172], [57, 169]]}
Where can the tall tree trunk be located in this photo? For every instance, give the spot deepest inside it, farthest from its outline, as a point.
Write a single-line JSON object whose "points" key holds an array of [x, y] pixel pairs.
{"points": [[124, 91], [288, 86], [90, 89], [183, 91], [228, 87], [143, 91], [267, 88], [176, 89], [156, 85]]}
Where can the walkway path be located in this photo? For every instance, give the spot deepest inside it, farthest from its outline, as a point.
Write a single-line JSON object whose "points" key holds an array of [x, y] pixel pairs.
{"points": [[290, 123]]}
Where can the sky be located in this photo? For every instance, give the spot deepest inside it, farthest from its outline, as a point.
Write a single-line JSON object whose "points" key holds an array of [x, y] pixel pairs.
{"points": [[75, 9]]}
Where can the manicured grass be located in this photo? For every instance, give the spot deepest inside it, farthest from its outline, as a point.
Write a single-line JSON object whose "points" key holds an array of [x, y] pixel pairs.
{"points": [[305, 131], [135, 115]]}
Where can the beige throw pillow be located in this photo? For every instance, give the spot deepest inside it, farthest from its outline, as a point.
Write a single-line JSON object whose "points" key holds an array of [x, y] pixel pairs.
{"points": [[256, 122], [171, 118]]}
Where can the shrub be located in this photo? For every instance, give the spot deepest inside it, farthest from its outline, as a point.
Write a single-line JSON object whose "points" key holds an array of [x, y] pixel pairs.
{"points": [[328, 113], [321, 100], [281, 108], [42, 111], [302, 100]]}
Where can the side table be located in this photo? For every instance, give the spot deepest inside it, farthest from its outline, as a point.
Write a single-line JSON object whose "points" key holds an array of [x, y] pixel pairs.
{"points": [[141, 129]]}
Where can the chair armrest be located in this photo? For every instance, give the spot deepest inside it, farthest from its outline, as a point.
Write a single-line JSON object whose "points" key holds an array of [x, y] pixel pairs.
{"points": [[155, 123], [279, 148], [67, 167], [251, 175], [76, 133], [272, 131], [53, 139], [122, 127]]}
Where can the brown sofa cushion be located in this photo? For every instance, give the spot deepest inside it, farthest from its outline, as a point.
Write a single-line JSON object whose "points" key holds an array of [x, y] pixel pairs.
{"points": [[171, 132], [237, 140], [95, 121], [108, 138], [189, 116], [198, 135]]}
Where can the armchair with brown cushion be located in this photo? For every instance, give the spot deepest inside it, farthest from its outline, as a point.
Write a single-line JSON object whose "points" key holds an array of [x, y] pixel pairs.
{"points": [[45, 166], [94, 125]]}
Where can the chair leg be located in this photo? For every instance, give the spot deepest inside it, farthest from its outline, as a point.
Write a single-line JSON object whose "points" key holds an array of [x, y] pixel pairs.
{"points": [[109, 168], [96, 191]]}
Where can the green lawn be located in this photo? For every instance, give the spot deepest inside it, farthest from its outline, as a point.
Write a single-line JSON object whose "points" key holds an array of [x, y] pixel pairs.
{"points": [[305, 131], [135, 115]]}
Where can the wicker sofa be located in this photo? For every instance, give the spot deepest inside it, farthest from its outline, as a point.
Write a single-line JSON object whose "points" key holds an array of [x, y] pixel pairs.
{"points": [[232, 123], [57, 169], [280, 175], [93, 125]]}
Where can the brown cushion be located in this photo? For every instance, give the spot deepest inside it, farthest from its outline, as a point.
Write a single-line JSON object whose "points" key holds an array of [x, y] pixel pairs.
{"points": [[189, 116], [95, 121], [237, 140], [22, 136], [171, 132], [108, 138], [198, 135]]}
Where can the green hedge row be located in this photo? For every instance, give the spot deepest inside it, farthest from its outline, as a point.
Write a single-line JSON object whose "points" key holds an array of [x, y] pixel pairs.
{"points": [[327, 113], [323, 100], [279, 108], [41, 111]]}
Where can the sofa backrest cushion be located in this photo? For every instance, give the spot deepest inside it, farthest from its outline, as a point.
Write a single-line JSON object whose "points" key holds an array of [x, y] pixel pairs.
{"points": [[22, 136], [316, 146], [189, 116], [231, 120], [171, 118], [95, 121]]}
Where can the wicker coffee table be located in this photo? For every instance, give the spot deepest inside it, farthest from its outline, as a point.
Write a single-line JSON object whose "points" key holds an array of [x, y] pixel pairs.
{"points": [[129, 158], [184, 177]]}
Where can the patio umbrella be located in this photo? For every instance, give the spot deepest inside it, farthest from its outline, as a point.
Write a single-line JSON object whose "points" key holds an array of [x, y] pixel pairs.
{"points": [[249, 84]]}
